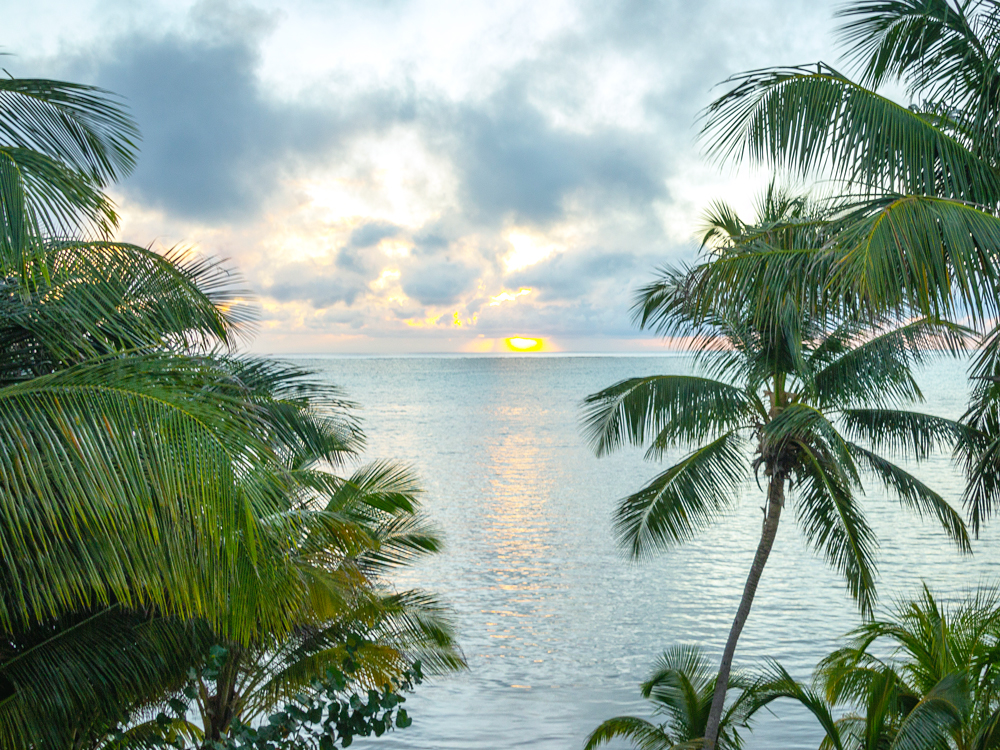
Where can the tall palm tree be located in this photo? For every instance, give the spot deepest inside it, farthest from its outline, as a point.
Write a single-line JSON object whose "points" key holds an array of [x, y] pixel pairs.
{"points": [[680, 688], [804, 402], [922, 180], [924, 677]]}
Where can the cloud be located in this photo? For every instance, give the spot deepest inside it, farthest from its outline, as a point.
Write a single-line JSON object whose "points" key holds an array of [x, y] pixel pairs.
{"points": [[217, 145], [574, 275], [375, 196], [372, 233], [318, 285], [438, 282], [515, 163]]}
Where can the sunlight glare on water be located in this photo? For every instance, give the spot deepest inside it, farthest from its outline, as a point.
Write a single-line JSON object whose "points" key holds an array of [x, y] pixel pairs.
{"points": [[559, 629]]}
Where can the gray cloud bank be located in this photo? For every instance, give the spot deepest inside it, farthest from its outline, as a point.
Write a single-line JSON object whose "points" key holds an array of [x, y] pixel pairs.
{"points": [[220, 149]]}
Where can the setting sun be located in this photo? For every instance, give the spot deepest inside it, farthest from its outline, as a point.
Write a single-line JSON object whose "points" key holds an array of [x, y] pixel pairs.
{"points": [[519, 344]]}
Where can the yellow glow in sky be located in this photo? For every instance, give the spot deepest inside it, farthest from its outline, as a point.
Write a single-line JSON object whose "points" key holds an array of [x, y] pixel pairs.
{"points": [[520, 344], [528, 249], [508, 296]]}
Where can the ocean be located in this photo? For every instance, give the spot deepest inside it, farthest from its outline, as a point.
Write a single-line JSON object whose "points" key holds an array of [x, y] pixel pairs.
{"points": [[557, 626]]}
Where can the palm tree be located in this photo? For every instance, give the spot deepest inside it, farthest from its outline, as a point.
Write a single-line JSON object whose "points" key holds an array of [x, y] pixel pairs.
{"points": [[147, 477], [680, 688], [353, 533], [922, 181], [938, 687], [805, 393]]}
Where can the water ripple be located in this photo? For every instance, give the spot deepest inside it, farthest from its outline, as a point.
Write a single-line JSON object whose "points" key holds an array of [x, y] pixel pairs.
{"points": [[558, 629]]}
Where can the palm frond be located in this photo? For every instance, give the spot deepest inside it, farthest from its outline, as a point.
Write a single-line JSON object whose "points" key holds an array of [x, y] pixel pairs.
{"points": [[920, 252], [642, 734], [942, 50], [668, 409], [775, 683], [902, 432], [90, 671], [115, 473], [833, 523], [915, 495], [67, 143], [55, 200], [683, 499], [879, 370], [938, 713], [84, 126], [805, 425], [79, 300], [810, 119]]}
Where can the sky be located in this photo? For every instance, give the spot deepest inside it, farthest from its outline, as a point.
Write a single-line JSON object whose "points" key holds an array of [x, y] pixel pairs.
{"points": [[396, 176]]}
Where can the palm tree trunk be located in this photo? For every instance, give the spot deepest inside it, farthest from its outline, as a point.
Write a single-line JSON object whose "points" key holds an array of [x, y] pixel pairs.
{"points": [[775, 501]]}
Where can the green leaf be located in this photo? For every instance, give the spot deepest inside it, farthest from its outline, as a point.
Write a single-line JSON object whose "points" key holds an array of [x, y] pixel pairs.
{"points": [[684, 499], [669, 409], [808, 119], [833, 522], [915, 495]]}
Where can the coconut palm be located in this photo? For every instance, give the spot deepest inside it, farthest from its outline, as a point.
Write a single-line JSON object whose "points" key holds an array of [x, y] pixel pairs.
{"points": [[806, 403], [352, 533], [680, 689], [923, 180], [143, 476], [150, 553], [924, 677]]}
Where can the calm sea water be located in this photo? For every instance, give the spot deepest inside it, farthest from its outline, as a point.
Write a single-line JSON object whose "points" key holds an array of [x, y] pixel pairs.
{"points": [[558, 629]]}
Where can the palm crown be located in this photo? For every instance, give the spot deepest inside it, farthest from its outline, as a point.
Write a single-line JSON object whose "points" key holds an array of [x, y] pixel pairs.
{"points": [[680, 689], [924, 676], [806, 402]]}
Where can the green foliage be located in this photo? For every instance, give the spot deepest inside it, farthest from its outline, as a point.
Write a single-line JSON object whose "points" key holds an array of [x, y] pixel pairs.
{"points": [[330, 714], [937, 688], [680, 689], [61, 144], [807, 401]]}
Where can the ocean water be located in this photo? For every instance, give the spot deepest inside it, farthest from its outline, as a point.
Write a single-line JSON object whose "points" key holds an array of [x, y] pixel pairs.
{"points": [[558, 628]]}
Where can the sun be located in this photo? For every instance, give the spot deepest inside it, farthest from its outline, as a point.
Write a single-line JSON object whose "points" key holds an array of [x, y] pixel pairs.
{"points": [[522, 344]]}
